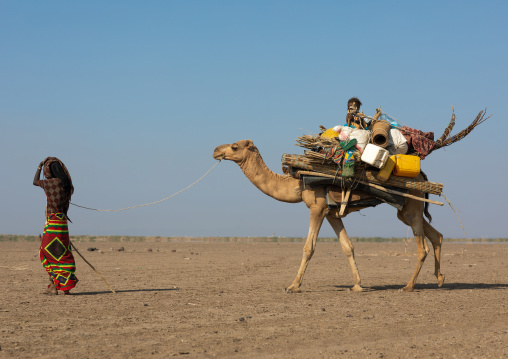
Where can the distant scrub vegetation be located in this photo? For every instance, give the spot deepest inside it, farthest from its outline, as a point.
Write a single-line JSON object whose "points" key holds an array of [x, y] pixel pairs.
{"points": [[19, 238]]}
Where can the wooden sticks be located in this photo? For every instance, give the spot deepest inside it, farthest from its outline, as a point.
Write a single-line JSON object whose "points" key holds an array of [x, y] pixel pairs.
{"points": [[91, 266], [381, 188], [302, 162]]}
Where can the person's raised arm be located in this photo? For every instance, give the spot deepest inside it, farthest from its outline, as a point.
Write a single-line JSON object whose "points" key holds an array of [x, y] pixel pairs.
{"points": [[38, 174]]}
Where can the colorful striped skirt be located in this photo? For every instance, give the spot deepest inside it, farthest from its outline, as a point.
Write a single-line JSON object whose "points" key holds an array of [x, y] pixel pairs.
{"points": [[55, 252]]}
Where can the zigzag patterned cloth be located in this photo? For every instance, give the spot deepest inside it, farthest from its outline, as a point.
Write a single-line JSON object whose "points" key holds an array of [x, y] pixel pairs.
{"points": [[55, 252], [335, 153]]}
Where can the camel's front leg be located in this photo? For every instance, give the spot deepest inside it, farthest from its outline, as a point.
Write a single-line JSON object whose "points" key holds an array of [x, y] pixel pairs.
{"points": [[317, 215], [348, 249]]}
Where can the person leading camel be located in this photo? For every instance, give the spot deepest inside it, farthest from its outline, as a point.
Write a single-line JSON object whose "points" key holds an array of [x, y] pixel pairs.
{"points": [[55, 251]]}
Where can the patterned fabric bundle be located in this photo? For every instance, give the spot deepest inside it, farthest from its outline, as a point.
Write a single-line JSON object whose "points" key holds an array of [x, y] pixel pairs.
{"points": [[422, 142], [55, 252], [345, 151], [335, 153], [343, 156]]}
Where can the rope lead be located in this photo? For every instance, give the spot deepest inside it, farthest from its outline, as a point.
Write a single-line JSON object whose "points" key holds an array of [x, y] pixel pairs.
{"points": [[149, 204], [453, 209]]}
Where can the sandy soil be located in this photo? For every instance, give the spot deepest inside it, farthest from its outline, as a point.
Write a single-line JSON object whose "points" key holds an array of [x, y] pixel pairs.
{"points": [[206, 300]]}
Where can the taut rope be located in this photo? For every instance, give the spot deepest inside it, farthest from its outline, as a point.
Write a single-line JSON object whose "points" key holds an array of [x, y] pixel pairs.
{"points": [[149, 204]]}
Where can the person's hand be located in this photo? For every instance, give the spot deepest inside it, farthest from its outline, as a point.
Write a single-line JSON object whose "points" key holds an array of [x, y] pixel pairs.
{"points": [[41, 164]]}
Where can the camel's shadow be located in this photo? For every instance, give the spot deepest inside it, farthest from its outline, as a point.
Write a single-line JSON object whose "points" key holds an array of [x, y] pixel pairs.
{"points": [[430, 286], [127, 291]]}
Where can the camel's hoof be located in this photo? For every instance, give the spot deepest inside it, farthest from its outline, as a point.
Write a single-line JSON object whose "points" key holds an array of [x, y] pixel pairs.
{"points": [[440, 280], [406, 289], [357, 288], [292, 289]]}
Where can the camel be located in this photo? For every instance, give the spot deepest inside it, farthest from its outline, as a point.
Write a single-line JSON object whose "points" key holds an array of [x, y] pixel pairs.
{"points": [[291, 190]]}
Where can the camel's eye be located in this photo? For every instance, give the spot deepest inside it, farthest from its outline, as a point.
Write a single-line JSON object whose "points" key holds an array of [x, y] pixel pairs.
{"points": [[234, 146]]}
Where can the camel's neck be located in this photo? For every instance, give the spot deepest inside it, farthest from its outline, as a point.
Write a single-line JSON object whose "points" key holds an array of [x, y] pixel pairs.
{"points": [[282, 188]]}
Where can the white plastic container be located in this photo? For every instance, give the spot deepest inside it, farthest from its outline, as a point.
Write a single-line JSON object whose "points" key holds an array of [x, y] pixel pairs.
{"points": [[375, 155]]}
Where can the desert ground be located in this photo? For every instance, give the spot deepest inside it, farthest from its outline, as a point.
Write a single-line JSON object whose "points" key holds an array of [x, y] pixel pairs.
{"points": [[227, 300]]}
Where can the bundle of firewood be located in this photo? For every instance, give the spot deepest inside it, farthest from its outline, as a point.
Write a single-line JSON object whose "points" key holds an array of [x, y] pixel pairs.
{"points": [[315, 144], [300, 162], [316, 141]]}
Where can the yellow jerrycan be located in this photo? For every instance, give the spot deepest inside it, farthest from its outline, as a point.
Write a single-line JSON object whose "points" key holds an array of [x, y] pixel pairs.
{"points": [[406, 166], [386, 171]]}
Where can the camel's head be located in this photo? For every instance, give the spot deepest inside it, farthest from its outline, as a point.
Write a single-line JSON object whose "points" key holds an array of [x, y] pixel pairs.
{"points": [[236, 152]]}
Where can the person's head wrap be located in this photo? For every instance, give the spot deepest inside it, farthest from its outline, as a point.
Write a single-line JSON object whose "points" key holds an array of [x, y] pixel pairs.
{"points": [[54, 168]]}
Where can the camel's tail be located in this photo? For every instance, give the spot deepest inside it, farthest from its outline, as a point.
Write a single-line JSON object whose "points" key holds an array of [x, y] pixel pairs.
{"points": [[426, 207]]}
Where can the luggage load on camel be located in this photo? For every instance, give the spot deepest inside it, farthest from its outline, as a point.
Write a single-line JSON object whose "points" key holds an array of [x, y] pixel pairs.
{"points": [[368, 153]]}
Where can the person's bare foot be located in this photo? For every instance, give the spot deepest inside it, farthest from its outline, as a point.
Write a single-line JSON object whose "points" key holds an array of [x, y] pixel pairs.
{"points": [[51, 290]]}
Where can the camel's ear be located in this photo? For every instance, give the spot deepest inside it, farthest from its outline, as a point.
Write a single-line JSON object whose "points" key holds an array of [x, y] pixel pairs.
{"points": [[248, 143]]}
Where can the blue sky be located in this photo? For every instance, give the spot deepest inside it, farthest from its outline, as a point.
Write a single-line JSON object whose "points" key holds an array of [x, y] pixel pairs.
{"points": [[134, 96]]}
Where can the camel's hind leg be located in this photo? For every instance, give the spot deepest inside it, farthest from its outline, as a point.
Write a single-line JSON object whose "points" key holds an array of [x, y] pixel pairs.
{"points": [[436, 239], [347, 247], [416, 223], [317, 215]]}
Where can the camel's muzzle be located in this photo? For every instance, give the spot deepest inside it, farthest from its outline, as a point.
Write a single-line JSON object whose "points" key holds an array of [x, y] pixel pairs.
{"points": [[218, 155], [219, 152]]}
